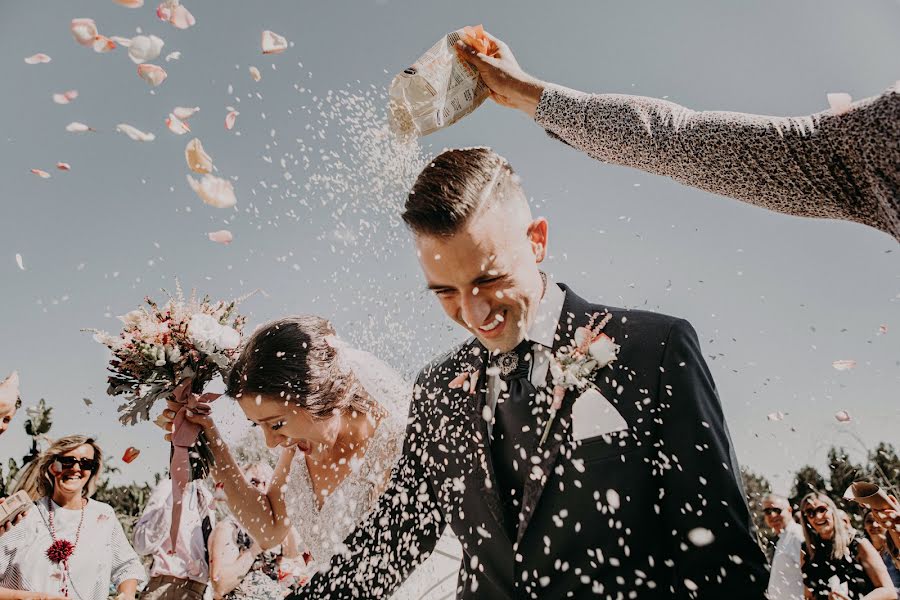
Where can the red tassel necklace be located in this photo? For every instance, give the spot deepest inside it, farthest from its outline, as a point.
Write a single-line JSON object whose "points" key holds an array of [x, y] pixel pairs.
{"points": [[60, 551]]}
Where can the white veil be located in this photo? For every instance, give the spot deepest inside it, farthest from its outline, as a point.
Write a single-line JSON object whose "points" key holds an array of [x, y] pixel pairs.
{"points": [[380, 380]]}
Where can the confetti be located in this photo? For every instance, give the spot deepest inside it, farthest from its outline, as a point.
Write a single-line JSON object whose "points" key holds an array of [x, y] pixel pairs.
{"points": [[700, 536], [152, 74], [842, 416], [197, 159], [19, 262], [222, 236], [130, 455], [63, 166], [36, 59], [272, 43], [65, 97], [135, 133], [174, 13], [214, 191], [843, 365], [41, 174], [144, 48], [76, 127], [255, 74], [229, 119]]}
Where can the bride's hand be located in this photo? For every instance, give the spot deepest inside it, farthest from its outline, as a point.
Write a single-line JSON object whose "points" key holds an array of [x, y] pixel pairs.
{"points": [[168, 416]]}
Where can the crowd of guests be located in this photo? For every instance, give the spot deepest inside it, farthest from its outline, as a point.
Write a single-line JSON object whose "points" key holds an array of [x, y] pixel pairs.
{"points": [[819, 554]]}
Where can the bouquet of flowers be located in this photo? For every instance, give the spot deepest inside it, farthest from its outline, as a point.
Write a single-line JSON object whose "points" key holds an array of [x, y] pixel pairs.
{"points": [[169, 350]]}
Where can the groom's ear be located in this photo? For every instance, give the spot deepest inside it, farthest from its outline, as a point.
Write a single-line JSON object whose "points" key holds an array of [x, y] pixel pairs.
{"points": [[537, 236]]}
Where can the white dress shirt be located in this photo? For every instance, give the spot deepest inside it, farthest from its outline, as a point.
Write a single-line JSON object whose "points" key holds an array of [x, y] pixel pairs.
{"points": [[542, 334], [151, 534], [786, 580]]}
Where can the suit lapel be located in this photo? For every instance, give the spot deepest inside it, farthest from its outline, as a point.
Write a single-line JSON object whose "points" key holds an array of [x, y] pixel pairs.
{"points": [[576, 313]]}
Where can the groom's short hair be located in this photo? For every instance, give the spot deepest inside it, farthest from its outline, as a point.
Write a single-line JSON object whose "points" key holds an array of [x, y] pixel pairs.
{"points": [[453, 187]]}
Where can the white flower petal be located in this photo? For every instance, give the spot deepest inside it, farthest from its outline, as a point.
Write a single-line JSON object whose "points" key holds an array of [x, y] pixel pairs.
{"points": [[135, 133], [183, 112], [36, 59], [173, 56], [214, 191], [103, 44], [197, 159], [65, 97], [272, 43], [84, 31], [176, 14], [144, 48], [152, 74], [76, 127], [176, 125], [775, 416], [842, 416], [843, 365], [222, 236], [255, 74], [229, 119], [839, 102], [19, 262], [41, 174]]}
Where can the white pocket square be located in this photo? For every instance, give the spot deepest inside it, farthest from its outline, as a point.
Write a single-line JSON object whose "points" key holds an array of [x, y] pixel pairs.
{"points": [[594, 415]]}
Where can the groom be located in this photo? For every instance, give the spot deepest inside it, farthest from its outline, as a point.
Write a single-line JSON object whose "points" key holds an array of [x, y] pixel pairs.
{"points": [[629, 490]]}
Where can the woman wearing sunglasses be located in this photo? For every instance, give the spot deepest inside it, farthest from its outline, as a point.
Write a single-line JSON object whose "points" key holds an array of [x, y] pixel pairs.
{"points": [[67, 546], [837, 563]]}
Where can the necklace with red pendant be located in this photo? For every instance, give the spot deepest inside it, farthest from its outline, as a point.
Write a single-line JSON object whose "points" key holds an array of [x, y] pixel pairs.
{"points": [[60, 551]]}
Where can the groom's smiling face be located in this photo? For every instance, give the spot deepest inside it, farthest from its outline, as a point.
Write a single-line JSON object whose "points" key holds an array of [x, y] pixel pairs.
{"points": [[486, 274]]}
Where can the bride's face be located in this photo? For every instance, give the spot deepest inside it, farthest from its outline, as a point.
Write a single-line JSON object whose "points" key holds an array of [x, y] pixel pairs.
{"points": [[285, 424]]}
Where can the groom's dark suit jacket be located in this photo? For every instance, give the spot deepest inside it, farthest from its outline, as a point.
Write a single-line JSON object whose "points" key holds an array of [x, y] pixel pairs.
{"points": [[655, 511]]}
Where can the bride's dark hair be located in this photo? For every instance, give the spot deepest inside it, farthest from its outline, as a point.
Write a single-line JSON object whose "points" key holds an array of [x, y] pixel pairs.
{"points": [[291, 358]]}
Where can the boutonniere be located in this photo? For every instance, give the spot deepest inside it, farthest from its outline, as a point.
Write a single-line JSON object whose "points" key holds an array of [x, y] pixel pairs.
{"points": [[574, 364]]}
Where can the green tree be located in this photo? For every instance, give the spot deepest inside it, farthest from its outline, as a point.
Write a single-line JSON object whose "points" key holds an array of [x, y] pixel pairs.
{"points": [[756, 487], [884, 468], [808, 479]]}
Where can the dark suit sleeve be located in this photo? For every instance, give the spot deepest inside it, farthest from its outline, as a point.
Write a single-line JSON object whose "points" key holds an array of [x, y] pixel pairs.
{"points": [[397, 536], [703, 502]]}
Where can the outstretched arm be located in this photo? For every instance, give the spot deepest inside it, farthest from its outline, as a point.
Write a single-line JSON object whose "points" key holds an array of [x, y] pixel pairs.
{"points": [[834, 164]]}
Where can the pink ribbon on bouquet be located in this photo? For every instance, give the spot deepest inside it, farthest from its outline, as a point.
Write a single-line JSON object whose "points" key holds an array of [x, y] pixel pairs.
{"points": [[184, 435]]}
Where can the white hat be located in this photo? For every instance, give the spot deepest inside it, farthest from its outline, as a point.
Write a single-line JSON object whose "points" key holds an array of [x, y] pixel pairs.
{"points": [[9, 389]]}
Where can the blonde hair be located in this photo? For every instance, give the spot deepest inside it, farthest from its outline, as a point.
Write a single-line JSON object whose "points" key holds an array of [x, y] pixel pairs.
{"points": [[843, 535], [36, 478]]}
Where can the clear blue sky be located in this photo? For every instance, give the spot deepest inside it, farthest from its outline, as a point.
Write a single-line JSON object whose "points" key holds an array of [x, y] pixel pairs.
{"points": [[775, 299]]}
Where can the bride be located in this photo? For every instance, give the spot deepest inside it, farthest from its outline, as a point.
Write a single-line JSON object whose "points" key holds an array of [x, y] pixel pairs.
{"points": [[339, 416]]}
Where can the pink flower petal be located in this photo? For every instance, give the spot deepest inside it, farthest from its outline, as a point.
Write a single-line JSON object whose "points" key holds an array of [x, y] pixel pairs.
{"points": [[183, 112], [196, 157], [36, 59], [63, 166], [842, 416], [882, 329], [76, 127], [839, 102], [135, 133], [176, 14], [843, 365], [272, 43], [214, 191], [229, 119], [152, 74], [255, 74], [176, 125], [65, 97], [41, 174], [130, 3], [221, 237], [84, 31]]}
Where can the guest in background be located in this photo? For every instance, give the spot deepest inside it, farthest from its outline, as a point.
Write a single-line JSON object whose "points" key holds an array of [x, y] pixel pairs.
{"points": [[885, 546], [68, 545], [837, 564], [239, 568], [838, 164], [785, 580], [10, 401], [183, 574]]}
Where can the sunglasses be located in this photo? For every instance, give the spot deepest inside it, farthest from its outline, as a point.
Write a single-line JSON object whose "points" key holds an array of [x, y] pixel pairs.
{"points": [[85, 464], [772, 511], [812, 513]]}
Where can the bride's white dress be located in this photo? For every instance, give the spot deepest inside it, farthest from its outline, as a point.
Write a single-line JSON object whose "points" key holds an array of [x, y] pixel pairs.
{"points": [[322, 531]]}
